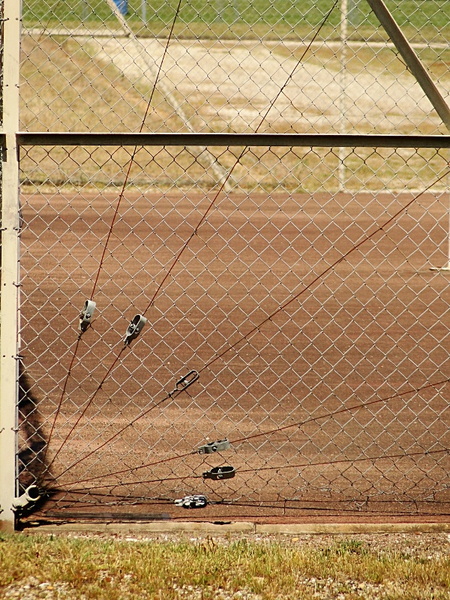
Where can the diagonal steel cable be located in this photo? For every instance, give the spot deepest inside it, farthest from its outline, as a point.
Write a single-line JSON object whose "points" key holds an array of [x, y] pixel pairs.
{"points": [[267, 433], [320, 276], [111, 227], [239, 158], [215, 198], [396, 455], [245, 337]]}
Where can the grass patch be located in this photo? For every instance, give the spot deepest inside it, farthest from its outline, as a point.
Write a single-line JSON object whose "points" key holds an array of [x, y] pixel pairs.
{"points": [[235, 18], [212, 569]]}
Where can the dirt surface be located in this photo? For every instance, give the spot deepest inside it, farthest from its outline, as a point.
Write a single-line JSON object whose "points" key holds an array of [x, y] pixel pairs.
{"points": [[231, 84], [320, 339]]}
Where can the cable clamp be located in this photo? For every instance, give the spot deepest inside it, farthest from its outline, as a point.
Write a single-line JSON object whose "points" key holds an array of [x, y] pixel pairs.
{"points": [[211, 447], [183, 383], [218, 473], [86, 315], [197, 501], [134, 329]]}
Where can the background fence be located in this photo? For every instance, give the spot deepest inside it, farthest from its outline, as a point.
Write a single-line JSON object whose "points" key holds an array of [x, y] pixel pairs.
{"points": [[295, 299]]}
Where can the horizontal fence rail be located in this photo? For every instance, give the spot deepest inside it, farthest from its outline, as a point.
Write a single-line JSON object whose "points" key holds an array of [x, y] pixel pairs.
{"points": [[233, 139]]}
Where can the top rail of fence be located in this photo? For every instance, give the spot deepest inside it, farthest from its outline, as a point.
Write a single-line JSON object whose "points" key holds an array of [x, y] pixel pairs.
{"points": [[231, 139]]}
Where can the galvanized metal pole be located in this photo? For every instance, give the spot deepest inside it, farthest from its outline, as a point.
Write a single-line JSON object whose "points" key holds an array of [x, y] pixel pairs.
{"points": [[343, 121], [417, 69], [10, 264], [411, 59]]}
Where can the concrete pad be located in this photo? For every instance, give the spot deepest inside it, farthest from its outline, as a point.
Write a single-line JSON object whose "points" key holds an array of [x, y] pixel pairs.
{"points": [[240, 527], [351, 528]]}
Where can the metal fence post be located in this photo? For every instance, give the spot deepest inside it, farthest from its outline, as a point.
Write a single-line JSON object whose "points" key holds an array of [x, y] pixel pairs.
{"points": [[10, 262], [411, 59]]}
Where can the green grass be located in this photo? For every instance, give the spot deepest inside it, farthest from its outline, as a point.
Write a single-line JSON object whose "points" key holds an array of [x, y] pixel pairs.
{"points": [[240, 18], [212, 569]]}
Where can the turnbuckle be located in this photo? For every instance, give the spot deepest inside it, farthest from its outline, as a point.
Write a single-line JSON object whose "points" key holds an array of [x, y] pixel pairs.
{"points": [[197, 501], [218, 473]]}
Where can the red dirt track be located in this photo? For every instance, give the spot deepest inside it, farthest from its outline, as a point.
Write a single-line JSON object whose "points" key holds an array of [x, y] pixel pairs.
{"points": [[294, 311]]}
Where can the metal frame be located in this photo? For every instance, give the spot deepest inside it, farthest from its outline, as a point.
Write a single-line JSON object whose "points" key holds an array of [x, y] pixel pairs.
{"points": [[10, 264], [11, 141]]}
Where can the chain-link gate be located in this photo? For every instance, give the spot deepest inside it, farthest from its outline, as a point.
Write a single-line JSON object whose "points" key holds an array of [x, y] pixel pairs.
{"points": [[270, 329]]}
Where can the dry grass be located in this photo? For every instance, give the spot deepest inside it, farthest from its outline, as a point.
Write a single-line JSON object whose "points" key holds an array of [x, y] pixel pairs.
{"points": [[68, 86], [223, 568]]}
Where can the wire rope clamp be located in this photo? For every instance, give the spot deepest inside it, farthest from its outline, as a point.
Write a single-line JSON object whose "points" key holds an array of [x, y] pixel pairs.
{"points": [[183, 383], [197, 501], [134, 329], [218, 473], [86, 315], [211, 447], [187, 380]]}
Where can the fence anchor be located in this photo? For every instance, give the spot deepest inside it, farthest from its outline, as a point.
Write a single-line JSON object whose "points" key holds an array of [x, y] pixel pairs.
{"points": [[30, 496]]}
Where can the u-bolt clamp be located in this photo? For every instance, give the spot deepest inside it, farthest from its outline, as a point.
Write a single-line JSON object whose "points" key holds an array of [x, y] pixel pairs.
{"points": [[134, 329], [30, 496], [86, 315]]}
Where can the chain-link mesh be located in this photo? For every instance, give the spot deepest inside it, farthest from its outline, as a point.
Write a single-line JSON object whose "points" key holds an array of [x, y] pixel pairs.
{"points": [[314, 320], [89, 68], [303, 286]]}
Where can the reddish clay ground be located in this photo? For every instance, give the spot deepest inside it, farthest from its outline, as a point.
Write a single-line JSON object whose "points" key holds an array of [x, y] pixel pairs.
{"points": [[291, 330]]}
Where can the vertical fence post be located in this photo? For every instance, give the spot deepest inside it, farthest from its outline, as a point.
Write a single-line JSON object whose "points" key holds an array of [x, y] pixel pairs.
{"points": [[343, 152], [10, 263]]}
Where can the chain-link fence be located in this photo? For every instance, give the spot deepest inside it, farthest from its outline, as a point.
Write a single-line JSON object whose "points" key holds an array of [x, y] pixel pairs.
{"points": [[294, 298], [87, 68]]}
